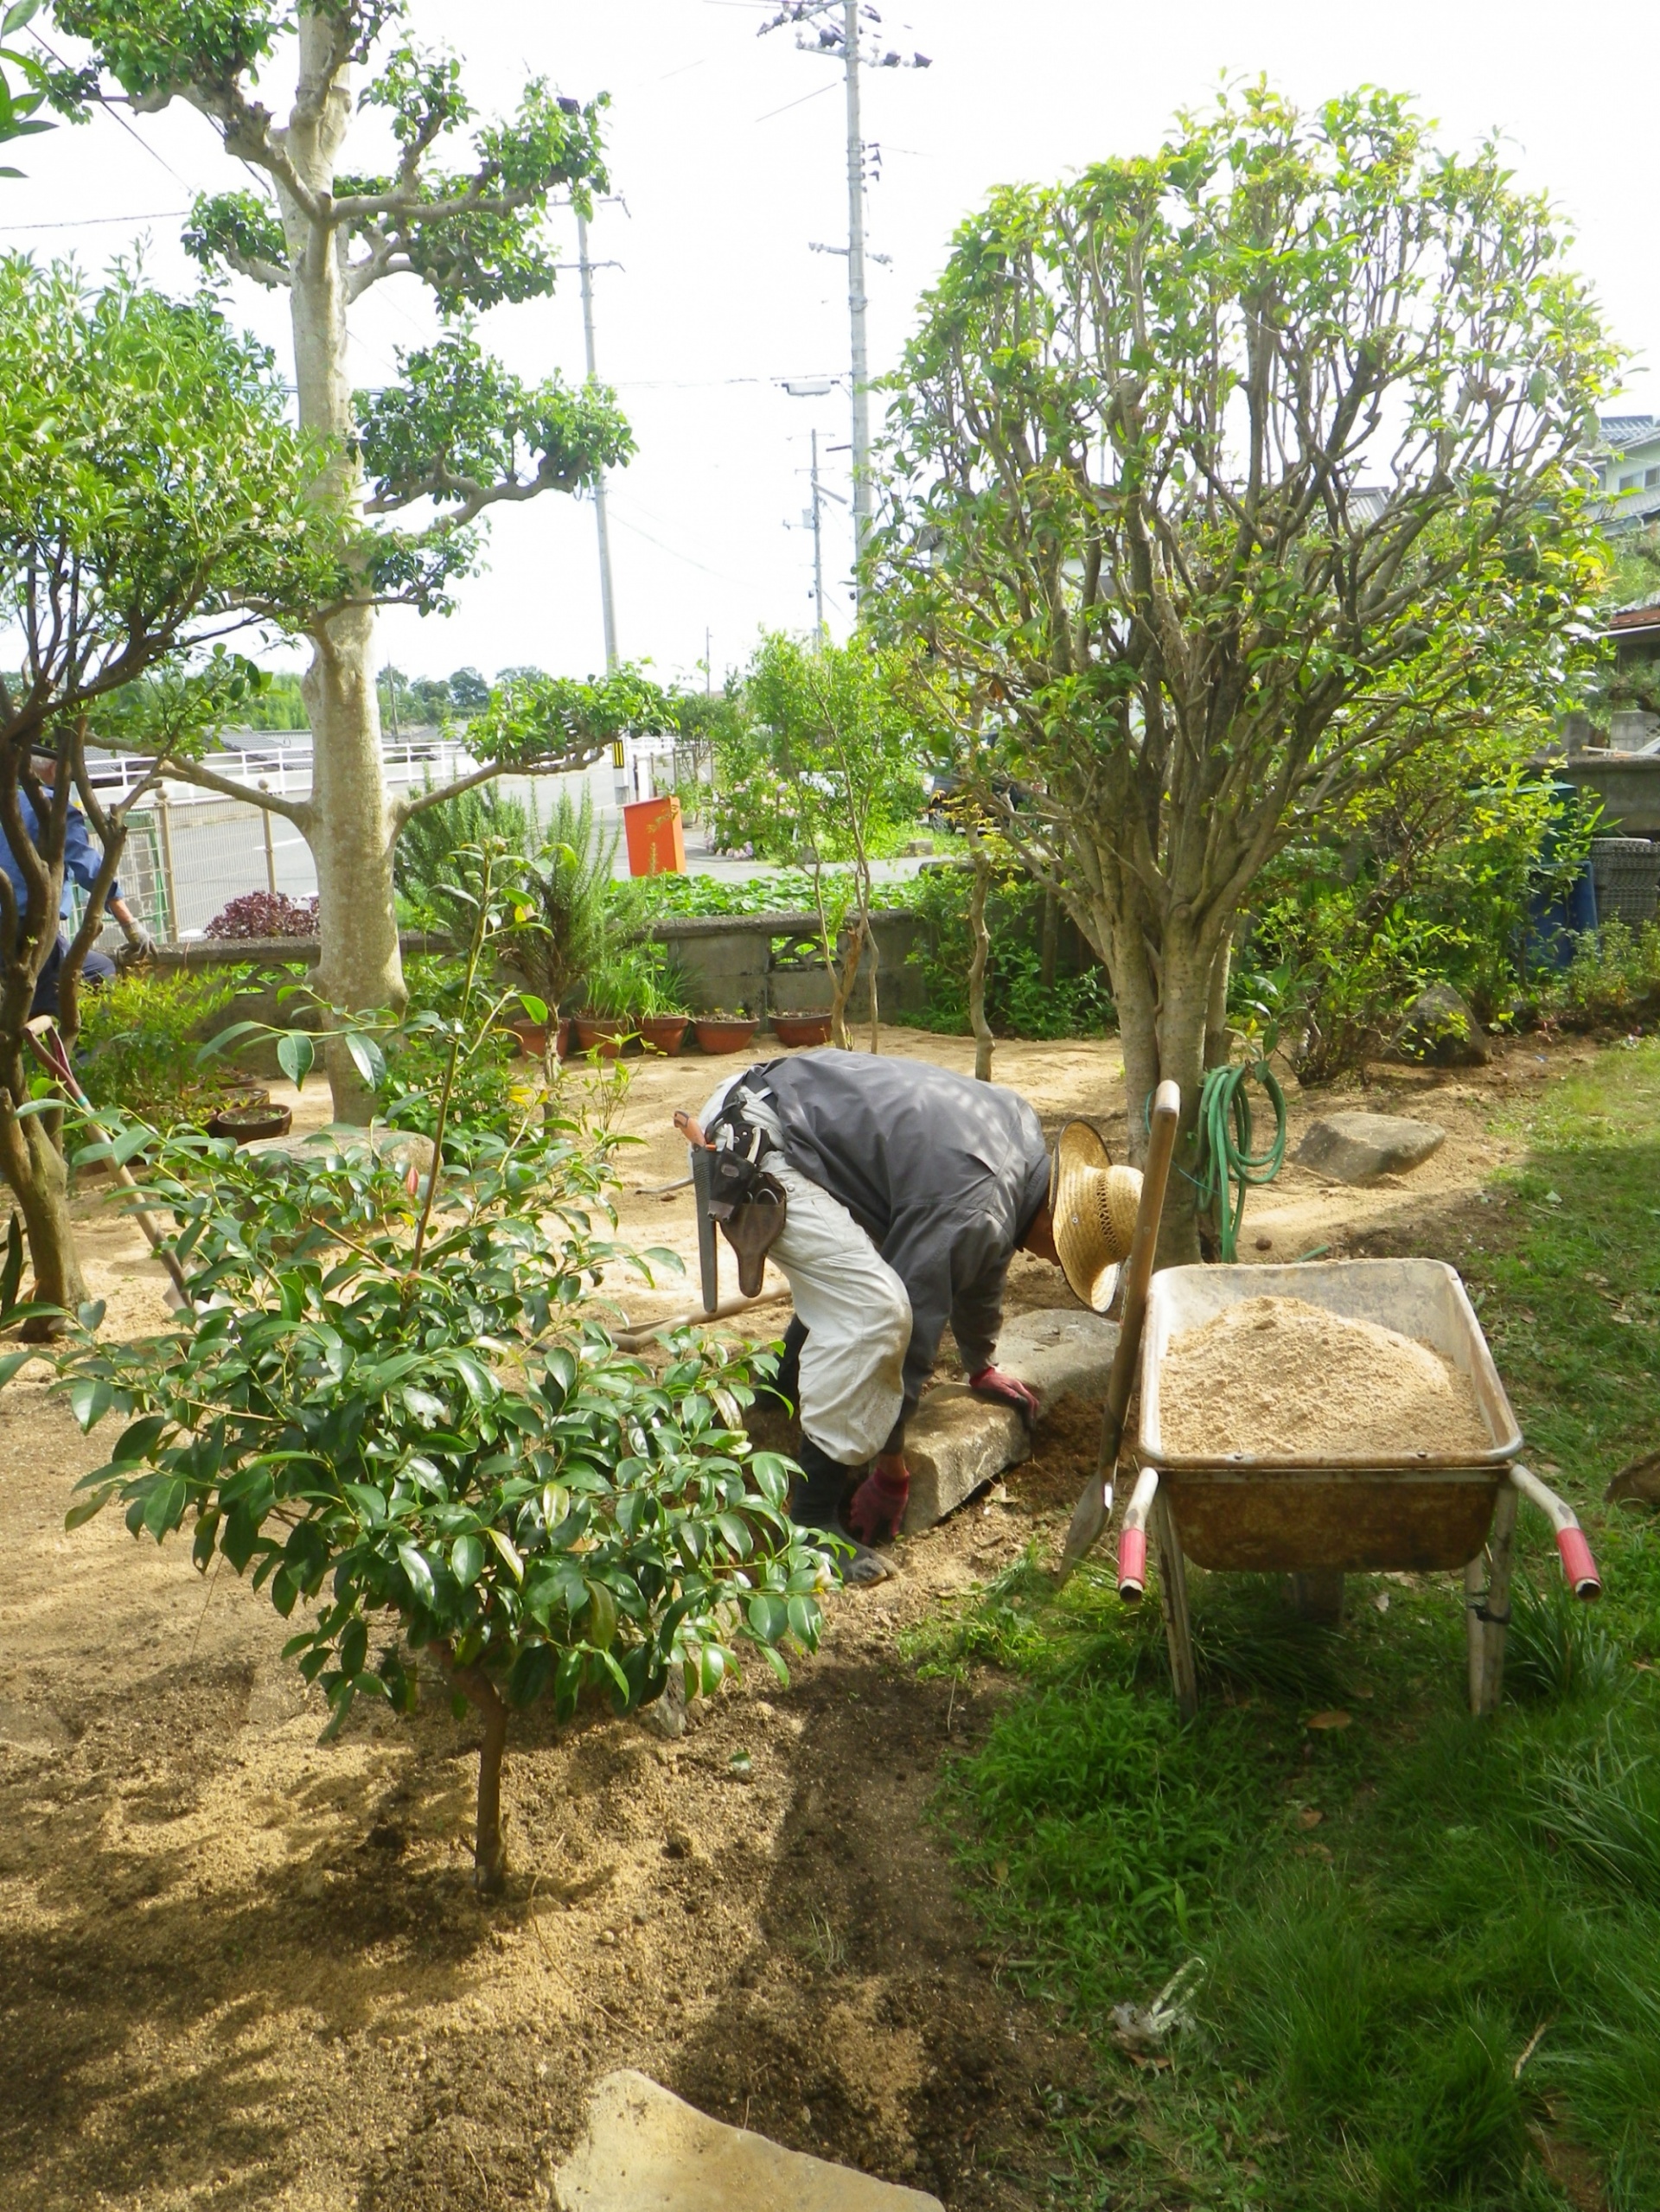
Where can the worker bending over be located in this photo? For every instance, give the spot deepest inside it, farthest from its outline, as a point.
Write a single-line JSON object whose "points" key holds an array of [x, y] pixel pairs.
{"points": [[893, 1194]]}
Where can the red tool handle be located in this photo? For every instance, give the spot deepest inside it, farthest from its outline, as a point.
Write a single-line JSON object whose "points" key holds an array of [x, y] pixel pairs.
{"points": [[1578, 1564], [1132, 1564]]}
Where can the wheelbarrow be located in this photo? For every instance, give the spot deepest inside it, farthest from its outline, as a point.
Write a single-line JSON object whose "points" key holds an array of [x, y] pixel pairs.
{"points": [[1319, 1518]]}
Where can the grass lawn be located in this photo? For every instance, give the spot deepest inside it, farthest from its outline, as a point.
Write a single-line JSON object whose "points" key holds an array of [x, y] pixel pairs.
{"points": [[1430, 1945]]}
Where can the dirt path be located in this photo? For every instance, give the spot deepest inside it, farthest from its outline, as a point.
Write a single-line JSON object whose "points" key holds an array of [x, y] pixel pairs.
{"points": [[238, 1969]]}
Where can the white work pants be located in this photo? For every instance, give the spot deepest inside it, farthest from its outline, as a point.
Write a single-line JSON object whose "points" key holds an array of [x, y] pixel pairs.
{"points": [[856, 1317]]}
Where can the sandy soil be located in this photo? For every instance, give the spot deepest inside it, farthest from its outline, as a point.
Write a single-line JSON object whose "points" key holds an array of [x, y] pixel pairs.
{"points": [[239, 1969]]}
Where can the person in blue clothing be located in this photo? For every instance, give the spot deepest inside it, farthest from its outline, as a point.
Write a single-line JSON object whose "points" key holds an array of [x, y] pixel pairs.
{"points": [[81, 862]]}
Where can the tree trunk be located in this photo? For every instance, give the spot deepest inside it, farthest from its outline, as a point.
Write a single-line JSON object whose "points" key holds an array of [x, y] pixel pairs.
{"points": [[1218, 1037], [348, 823], [1051, 943], [490, 1846], [350, 830], [34, 1169], [980, 937]]}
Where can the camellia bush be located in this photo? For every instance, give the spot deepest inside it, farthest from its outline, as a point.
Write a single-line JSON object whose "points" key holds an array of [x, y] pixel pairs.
{"points": [[392, 1403]]}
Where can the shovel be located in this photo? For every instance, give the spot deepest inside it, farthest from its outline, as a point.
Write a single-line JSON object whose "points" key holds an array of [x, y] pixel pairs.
{"points": [[1090, 1515]]}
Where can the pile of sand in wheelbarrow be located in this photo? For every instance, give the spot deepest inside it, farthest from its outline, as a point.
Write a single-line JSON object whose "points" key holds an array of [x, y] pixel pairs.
{"points": [[1275, 1377]]}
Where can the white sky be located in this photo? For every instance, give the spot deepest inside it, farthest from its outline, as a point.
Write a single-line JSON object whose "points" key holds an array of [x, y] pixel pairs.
{"points": [[719, 296]]}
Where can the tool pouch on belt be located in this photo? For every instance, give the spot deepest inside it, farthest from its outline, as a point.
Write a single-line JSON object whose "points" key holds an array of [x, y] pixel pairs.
{"points": [[749, 1204]]}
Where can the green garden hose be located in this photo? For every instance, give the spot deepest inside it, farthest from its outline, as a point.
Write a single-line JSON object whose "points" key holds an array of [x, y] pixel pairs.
{"points": [[1226, 1160]]}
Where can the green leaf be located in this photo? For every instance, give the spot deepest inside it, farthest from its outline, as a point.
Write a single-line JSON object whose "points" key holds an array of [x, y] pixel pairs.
{"points": [[535, 1007], [10, 1363], [164, 1505], [296, 1056], [90, 1399], [419, 1573], [367, 1058], [467, 1560], [89, 1508]]}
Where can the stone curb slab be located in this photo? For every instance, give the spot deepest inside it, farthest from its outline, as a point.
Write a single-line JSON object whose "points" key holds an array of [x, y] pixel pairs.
{"points": [[645, 2150], [956, 1441]]}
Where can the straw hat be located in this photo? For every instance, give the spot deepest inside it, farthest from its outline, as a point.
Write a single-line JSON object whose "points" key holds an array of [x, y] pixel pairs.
{"points": [[1093, 1205]]}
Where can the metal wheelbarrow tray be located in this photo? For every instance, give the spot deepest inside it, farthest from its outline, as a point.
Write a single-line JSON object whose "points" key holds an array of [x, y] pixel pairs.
{"points": [[1322, 1516]]}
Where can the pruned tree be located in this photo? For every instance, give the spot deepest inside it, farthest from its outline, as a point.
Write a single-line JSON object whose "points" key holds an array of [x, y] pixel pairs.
{"points": [[1222, 480], [153, 498], [458, 433], [824, 762]]}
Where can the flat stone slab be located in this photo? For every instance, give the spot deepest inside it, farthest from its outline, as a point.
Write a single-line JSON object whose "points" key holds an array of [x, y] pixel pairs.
{"points": [[646, 2151], [1362, 1148], [1060, 1353], [957, 1440]]}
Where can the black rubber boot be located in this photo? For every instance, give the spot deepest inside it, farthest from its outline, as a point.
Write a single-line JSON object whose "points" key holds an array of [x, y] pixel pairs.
{"points": [[815, 1503], [786, 1385]]}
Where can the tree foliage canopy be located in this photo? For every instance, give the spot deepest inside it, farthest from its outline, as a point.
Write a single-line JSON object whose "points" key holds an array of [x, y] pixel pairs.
{"points": [[1225, 478], [153, 494], [459, 430]]}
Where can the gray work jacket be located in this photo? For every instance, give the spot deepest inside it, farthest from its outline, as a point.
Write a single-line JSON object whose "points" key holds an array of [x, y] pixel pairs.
{"points": [[944, 1175]]}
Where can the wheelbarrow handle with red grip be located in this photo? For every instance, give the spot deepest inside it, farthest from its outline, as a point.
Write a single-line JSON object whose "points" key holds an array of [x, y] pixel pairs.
{"points": [[1133, 1538], [1578, 1564]]}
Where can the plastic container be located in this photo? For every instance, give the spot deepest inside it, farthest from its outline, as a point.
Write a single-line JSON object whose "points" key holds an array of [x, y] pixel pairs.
{"points": [[656, 837], [1267, 1515]]}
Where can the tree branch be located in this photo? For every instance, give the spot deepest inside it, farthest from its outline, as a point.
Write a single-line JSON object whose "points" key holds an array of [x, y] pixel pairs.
{"points": [[405, 810]]}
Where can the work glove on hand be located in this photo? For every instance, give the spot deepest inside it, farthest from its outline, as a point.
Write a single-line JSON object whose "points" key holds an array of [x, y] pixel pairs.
{"points": [[140, 944], [878, 1504], [992, 1382]]}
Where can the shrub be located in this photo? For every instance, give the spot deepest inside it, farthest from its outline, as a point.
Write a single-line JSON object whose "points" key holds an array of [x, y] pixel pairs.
{"points": [[139, 1042], [1614, 976], [265, 914], [1019, 1002], [425, 860]]}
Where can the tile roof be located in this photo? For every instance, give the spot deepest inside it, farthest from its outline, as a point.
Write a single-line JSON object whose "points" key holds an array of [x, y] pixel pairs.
{"points": [[1628, 429]]}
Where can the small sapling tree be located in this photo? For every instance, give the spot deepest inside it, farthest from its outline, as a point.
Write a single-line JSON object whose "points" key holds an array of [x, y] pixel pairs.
{"points": [[394, 1408], [1224, 481], [457, 433], [826, 759]]}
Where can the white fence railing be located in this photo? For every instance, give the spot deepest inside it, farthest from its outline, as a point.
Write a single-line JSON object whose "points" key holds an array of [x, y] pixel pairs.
{"points": [[284, 769]]}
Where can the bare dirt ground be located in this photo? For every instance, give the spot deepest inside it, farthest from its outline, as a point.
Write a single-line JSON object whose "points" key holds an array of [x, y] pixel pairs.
{"points": [[241, 1969]]}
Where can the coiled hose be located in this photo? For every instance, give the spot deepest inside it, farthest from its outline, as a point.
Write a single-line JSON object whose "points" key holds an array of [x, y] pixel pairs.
{"points": [[1227, 1164]]}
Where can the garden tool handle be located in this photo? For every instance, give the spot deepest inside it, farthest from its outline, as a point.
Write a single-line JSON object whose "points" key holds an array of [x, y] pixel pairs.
{"points": [[1578, 1564], [1144, 1246], [1133, 1538], [1090, 1515]]}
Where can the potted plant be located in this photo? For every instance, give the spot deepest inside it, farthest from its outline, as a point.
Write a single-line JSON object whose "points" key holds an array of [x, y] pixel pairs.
{"points": [[720, 1031], [616, 983], [801, 1029], [555, 953], [660, 1000]]}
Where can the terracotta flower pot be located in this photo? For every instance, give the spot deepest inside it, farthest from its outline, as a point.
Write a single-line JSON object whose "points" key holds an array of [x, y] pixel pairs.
{"points": [[801, 1029], [247, 1124], [718, 1033], [606, 1037], [663, 1032], [533, 1038], [562, 1039]]}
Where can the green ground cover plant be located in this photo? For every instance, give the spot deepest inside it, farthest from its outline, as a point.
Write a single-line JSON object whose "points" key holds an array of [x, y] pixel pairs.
{"points": [[140, 1043], [1428, 1944]]}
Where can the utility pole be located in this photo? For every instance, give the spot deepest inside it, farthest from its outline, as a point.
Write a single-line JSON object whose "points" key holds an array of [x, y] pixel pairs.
{"points": [[858, 302], [607, 602], [840, 39], [818, 543]]}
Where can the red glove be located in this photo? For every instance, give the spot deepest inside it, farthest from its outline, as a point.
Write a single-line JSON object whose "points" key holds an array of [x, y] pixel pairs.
{"points": [[992, 1382], [878, 1504]]}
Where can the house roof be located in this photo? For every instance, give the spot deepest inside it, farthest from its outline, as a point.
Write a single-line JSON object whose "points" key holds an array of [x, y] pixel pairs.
{"points": [[1619, 430], [1631, 619]]}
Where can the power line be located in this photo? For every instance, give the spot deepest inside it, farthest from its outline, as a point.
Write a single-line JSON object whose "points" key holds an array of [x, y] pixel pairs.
{"points": [[87, 222]]}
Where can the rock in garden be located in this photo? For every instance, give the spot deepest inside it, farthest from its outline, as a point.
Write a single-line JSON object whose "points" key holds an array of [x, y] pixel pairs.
{"points": [[645, 2151], [1362, 1148], [1440, 1028]]}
